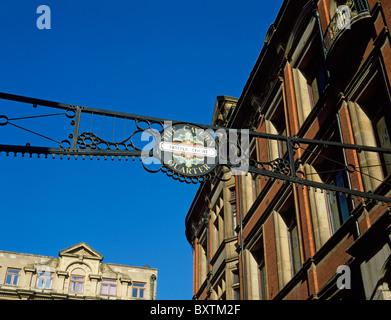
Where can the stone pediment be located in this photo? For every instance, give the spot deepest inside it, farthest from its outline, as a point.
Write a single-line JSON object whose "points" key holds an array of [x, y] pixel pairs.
{"points": [[81, 250]]}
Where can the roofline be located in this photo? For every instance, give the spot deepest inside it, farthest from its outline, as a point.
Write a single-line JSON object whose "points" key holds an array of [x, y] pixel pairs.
{"points": [[138, 267], [27, 254]]}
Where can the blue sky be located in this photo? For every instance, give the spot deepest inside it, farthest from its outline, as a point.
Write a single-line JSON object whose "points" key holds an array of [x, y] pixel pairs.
{"points": [[167, 59]]}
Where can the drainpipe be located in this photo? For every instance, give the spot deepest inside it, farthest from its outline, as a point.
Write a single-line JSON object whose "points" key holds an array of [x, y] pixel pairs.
{"points": [[153, 279], [206, 221], [241, 238]]}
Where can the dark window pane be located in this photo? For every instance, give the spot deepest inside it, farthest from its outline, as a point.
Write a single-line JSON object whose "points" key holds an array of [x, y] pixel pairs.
{"points": [[134, 293]]}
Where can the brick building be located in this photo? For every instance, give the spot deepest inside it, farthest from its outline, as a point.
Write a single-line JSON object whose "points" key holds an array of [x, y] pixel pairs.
{"points": [[324, 73]]}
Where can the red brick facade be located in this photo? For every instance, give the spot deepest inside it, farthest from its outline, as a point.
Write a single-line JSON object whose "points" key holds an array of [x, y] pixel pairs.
{"points": [[356, 56]]}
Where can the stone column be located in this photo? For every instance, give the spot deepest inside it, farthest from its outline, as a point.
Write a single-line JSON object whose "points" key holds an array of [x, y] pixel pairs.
{"points": [[319, 211], [153, 287], [364, 135], [252, 277], [61, 276], [123, 291], [283, 252], [272, 144], [95, 278], [302, 96], [29, 275]]}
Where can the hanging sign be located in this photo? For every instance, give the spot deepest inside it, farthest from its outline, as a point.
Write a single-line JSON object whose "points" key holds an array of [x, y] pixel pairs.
{"points": [[188, 150]]}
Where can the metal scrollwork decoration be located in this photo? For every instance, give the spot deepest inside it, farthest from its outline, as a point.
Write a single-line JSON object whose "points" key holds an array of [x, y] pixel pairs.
{"points": [[188, 153]]}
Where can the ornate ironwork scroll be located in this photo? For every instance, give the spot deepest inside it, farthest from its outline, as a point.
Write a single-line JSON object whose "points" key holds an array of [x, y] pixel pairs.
{"points": [[190, 153], [341, 19]]}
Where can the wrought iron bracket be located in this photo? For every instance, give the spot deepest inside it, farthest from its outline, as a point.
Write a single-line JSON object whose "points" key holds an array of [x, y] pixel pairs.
{"points": [[84, 141]]}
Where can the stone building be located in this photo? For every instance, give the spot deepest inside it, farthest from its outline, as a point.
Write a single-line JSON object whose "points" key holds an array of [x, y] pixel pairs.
{"points": [[77, 274], [324, 73]]}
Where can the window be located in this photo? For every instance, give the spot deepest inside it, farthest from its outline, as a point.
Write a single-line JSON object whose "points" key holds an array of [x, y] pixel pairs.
{"points": [[275, 124], [219, 289], [77, 284], [215, 230], [44, 280], [12, 277], [311, 68], [383, 139], [369, 110], [235, 285], [338, 205], [331, 168], [309, 75], [287, 239], [218, 224], [138, 290], [235, 277], [373, 107], [236, 294], [109, 287], [232, 194], [256, 270], [233, 209], [293, 237], [234, 212], [203, 263], [259, 257], [255, 179]]}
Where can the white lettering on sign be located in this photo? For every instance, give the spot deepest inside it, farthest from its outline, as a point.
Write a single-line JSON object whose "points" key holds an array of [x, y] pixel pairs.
{"points": [[187, 149]]}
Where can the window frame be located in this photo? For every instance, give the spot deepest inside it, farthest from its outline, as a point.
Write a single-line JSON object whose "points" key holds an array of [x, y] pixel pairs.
{"points": [[45, 276], [382, 115], [373, 90], [13, 276], [76, 283], [139, 289], [310, 76], [236, 293], [287, 221], [203, 258], [234, 214], [109, 286], [220, 288], [276, 124], [235, 284], [262, 273], [293, 233], [258, 261], [332, 170]]}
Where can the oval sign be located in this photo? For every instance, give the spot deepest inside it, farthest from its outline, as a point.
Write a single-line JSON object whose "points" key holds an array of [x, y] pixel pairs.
{"points": [[188, 150]]}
